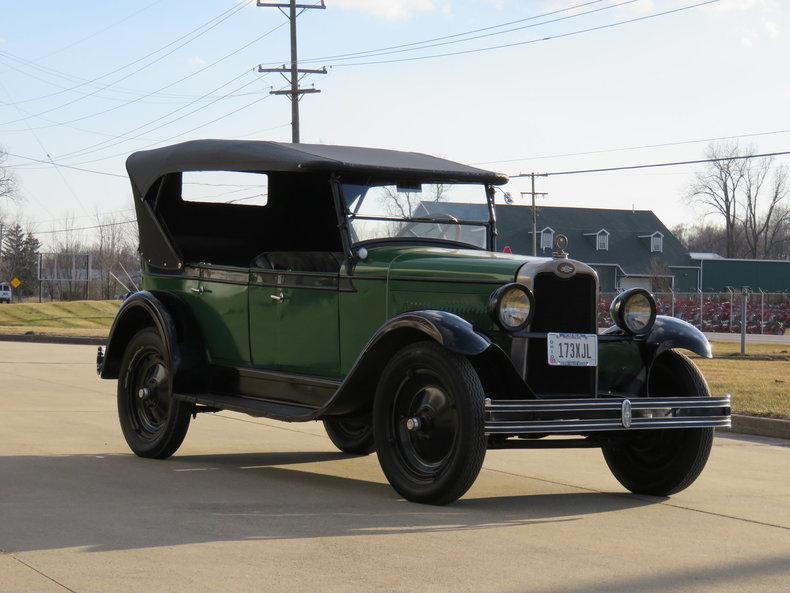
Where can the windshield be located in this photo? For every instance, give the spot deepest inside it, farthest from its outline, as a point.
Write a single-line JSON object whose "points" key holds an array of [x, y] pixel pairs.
{"points": [[450, 212]]}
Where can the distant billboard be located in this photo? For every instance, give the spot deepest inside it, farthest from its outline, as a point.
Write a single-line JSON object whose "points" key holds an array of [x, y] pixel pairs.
{"points": [[64, 267]]}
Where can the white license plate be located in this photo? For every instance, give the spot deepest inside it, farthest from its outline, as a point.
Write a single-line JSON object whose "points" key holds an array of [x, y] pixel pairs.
{"points": [[573, 350]]}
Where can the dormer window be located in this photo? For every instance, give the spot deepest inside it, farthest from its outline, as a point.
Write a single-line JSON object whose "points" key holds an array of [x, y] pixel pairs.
{"points": [[656, 240], [657, 243], [602, 240], [546, 238]]}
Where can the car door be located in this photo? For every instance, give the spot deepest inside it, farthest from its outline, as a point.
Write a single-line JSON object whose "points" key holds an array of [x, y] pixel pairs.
{"points": [[219, 301], [294, 315]]}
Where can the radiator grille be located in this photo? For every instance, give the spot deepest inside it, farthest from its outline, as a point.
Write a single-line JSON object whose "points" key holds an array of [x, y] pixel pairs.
{"points": [[561, 305]]}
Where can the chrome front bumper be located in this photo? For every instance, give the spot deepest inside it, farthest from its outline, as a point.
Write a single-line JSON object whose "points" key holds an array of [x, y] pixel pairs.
{"points": [[603, 414]]}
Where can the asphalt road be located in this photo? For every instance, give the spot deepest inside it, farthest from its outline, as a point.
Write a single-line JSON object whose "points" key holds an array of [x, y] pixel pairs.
{"points": [[254, 505]]}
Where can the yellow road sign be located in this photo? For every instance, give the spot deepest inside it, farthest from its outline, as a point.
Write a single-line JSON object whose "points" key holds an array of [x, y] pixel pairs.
{"points": [[15, 282]]}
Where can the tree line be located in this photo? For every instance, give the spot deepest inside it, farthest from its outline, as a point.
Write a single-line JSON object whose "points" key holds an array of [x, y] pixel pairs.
{"points": [[111, 248], [746, 203]]}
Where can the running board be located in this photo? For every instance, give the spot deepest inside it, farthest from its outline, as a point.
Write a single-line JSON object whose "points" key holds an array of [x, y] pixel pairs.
{"points": [[582, 416], [254, 407]]}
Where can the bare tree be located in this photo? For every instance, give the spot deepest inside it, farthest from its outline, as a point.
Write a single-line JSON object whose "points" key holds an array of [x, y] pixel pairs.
{"points": [[8, 185], [717, 188], [765, 214]]}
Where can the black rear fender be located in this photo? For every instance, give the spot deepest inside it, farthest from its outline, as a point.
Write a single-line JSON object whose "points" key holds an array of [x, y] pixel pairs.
{"points": [[176, 326]]}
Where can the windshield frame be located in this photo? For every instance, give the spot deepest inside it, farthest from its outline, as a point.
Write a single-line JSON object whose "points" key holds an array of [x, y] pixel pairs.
{"points": [[345, 216]]}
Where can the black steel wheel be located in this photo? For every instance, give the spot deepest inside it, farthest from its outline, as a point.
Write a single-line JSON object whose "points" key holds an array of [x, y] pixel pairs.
{"points": [[153, 423], [663, 462], [428, 420], [351, 435]]}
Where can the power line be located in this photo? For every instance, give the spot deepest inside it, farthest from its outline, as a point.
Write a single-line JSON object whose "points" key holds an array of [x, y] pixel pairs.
{"points": [[529, 41], [138, 94], [35, 160], [216, 21], [85, 228], [626, 148], [442, 38], [490, 34], [654, 165], [169, 85], [102, 30], [124, 136], [203, 125]]}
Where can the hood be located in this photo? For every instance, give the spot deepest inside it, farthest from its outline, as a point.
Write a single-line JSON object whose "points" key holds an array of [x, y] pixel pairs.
{"points": [[440, 263]]}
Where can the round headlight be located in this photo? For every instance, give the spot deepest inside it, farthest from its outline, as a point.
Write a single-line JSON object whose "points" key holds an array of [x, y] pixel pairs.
{"points": [[512, 307], [634, 311]]}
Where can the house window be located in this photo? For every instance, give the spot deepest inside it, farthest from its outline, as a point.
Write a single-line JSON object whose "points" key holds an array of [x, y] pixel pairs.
{"points": [[602, 241], [546, 238], [657, 243]]}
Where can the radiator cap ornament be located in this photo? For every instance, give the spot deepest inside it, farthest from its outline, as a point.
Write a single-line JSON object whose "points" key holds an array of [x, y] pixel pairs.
{"points": [[560, 245]]}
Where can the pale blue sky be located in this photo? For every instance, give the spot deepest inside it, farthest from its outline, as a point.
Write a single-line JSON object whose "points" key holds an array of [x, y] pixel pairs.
{"points": [[711, 71]]}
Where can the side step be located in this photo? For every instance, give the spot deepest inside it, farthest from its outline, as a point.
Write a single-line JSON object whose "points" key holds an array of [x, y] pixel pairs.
{"points": [[582, 416], [254, 407]]}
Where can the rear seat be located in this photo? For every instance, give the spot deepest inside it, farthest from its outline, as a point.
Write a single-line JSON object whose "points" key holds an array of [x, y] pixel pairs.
{"points": [[299, 261]]}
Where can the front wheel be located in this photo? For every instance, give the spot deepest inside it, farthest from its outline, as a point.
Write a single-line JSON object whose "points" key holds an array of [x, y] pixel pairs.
{"points": [[663, 462], [154, 424], [428, 420]]}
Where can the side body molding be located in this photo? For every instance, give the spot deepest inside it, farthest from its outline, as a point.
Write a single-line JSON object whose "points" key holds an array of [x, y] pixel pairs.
{"points": [[451, 331]]}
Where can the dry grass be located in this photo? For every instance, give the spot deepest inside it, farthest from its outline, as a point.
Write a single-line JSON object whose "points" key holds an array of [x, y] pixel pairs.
{"points": [[759, 382], [59, 318]]}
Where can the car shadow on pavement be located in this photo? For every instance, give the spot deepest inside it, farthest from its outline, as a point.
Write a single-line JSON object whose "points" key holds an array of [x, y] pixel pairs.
{"points": [[119, 502]]}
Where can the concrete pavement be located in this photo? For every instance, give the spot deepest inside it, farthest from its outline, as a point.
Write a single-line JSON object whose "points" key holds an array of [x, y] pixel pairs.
{"points": [[256, 505]]}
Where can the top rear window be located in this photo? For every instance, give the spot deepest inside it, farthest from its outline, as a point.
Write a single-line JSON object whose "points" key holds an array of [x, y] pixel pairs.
{"points": [[225, 187]]}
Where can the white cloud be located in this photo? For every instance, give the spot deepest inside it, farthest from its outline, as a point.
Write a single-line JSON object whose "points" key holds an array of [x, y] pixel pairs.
{"points": [[3, 41], [197, 61], [394, 10], [772, 29], [746, 42]]}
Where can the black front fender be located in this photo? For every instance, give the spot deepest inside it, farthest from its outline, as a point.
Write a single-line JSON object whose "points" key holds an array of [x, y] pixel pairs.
{"points": [[624, 366], [451, 331], [670, 333]]}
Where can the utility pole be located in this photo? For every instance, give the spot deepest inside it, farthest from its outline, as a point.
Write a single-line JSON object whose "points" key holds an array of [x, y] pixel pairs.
{"points": [[533, 193], [294, 93]]}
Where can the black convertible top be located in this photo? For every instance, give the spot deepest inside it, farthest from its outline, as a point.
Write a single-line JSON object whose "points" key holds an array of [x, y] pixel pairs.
{"points": [[145, 167]]}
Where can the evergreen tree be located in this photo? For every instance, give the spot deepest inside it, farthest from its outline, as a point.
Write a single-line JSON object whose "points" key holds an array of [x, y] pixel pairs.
{"points": [[19, 253]]}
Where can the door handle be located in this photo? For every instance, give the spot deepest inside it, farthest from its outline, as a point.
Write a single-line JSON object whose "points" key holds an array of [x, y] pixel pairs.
{"points": [[279, 297], [199, 290]]}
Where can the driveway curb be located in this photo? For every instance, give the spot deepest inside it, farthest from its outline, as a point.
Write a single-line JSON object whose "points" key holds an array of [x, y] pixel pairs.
{"points": [[759, 426], [45, 339]]}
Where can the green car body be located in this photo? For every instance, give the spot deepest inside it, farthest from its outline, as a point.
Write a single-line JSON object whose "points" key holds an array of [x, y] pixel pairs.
{"points": [[323, 332], [382, 308]]}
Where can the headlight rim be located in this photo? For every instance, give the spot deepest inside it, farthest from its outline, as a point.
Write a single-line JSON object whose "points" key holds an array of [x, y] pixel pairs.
{"points": [[495, 302], [617, 310]]}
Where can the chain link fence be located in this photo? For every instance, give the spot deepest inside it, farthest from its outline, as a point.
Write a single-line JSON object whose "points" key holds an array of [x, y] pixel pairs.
{"points": [[766, 313]]}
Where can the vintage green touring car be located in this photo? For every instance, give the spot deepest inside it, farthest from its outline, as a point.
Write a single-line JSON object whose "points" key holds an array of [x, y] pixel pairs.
{"points": [[352, 295]]}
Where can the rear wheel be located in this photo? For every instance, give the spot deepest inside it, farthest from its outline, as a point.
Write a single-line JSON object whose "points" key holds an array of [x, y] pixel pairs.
{"points": [[428, 424], [351, 435], [153, 423], [663, 462]]}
